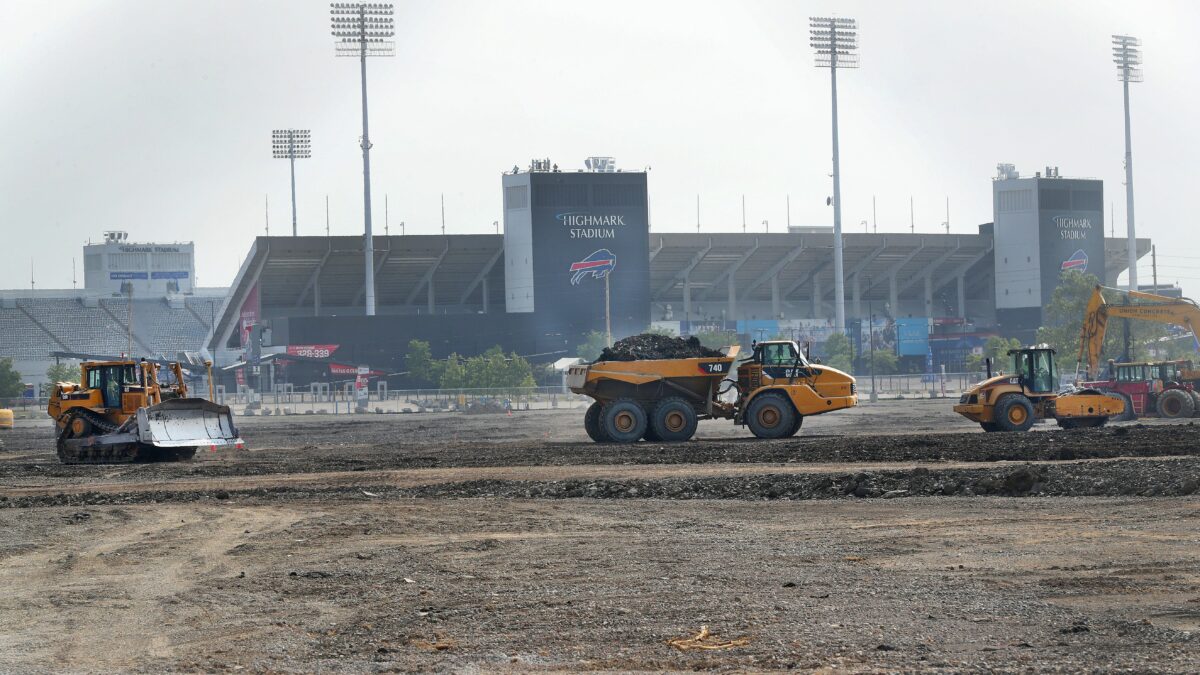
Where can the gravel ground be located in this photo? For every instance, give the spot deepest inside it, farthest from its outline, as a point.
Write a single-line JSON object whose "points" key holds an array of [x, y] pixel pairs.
{"points": [[487, 542]]}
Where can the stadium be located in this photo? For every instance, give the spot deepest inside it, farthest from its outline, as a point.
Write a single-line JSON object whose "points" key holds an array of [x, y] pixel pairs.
{"points": [[538, 290]]}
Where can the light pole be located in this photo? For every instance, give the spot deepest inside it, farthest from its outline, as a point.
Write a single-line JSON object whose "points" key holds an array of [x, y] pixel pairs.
{"points": [[291, 144], [835, 41], [361, 28], [1128, 58]]}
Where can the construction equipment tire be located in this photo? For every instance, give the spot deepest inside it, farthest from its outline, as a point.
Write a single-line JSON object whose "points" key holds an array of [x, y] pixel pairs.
{"points": [[623, 421], [1014, 412], [797, 424], [989, 427], [591, 423], [672, 421], [1196, 401], [771, 415], [1176, 403]]}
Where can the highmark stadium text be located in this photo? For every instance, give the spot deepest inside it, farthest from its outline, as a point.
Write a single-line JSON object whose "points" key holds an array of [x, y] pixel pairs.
{"points": [[602, 226]]}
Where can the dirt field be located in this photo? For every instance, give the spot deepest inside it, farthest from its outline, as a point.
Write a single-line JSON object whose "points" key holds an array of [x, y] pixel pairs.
{"points": [[890, 537]]}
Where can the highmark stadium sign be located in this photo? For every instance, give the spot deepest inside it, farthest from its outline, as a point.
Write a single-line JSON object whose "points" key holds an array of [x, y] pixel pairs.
{"points": [[589, 226], [1072, 227]]}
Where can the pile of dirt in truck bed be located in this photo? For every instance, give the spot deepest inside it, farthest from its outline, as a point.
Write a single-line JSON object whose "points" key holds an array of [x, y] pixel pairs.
{"points": [[653, 346]]}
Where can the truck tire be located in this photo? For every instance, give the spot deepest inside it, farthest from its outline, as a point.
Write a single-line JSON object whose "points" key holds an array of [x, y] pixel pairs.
{"points": [[796, 425], [1129, 415], [623, 421], [1014, 412], [771, 415], [1196, 402], [591, 423], [989, 427], [1176, 403], [673, 421]]}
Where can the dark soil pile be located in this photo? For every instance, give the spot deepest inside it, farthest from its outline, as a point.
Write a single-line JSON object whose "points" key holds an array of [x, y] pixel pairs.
{"points": [[653, 346]]}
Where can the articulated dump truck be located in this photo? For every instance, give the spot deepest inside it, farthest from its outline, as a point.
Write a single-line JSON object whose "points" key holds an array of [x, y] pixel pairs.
{"points": [[119, 413], [664, 399]]}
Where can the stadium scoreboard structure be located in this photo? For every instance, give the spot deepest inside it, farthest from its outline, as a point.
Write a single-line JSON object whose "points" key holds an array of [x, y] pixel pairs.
{"points": [[120, 266]]}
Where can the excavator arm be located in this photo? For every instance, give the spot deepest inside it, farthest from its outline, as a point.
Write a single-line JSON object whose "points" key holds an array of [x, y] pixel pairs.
{"points": [[1180, 312]]}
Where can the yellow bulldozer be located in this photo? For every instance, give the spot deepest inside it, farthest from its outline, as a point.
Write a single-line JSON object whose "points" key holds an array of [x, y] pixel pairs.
{"points": [[1030, 392], [664, 399], [120, 412]]}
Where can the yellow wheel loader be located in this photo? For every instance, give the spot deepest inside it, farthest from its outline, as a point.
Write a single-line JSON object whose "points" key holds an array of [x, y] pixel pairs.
{"points": [[119, 412], [1013, 402], [663, 399]]}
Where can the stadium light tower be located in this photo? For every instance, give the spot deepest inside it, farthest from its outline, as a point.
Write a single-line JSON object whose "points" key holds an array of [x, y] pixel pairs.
{"points": [[361, 29], [1128, 58], [291, 144], [835, 41]]}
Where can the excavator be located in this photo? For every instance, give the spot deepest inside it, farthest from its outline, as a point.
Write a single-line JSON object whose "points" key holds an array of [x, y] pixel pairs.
{"points": [[1167, 388], [1182, 312], [121, 412]]}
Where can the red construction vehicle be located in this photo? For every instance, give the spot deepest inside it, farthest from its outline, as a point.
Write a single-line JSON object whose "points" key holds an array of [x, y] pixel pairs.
{"points": [[1149, 390]]}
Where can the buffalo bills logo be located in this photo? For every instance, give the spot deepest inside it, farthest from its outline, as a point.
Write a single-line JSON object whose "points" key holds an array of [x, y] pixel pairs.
{"points": [[598, 265], [1077, 261]]}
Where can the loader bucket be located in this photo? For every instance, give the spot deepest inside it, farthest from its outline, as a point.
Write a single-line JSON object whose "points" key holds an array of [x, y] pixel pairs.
{"points": [[183, 422]]}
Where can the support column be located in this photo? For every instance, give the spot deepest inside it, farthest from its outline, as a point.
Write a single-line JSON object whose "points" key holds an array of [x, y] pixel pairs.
{"points": [[928, 295], [429, 295], [732, 298], [484, 291], [893, 296], [775, 298], [857, 295], [962, 296], [687, 297], [816, 297]]}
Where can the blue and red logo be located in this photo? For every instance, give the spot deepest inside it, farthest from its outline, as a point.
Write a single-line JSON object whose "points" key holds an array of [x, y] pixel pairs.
{"points": [[597, 265], [1077, 261]]}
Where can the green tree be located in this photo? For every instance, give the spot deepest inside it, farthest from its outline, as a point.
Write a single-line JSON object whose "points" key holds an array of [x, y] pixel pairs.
{"points": [[885, 361], [62, 372], [422, 368], [1064, 319], [996, 348], [594, 342], [11, 385], [454, 373], [838, 352]]}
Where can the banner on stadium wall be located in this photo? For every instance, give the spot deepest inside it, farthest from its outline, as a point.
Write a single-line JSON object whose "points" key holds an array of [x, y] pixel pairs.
{"points": [[912, 336], [249, 314], [312, 351], [672, 327], [803, 331], [343, 369], [758, 329]]}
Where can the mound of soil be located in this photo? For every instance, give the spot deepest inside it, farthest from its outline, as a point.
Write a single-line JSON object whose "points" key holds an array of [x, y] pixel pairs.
{"points": [[653, 346]]}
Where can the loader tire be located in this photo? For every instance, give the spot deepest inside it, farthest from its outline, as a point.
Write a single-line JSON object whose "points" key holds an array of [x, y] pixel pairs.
{"points": [[1176, 403], [1014, 413], [672, 421], [1129, 414], [771, 415], [591, 423], [623, 421]]}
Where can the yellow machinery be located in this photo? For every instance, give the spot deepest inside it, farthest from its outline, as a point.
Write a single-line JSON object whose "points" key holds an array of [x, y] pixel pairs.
{"points": [[1180, 312], [663, 399], [119, 412], [1015, 401], [6, 418]]}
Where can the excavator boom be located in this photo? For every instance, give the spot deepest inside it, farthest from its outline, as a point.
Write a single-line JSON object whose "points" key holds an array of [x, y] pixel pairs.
{"points": [[1181, 312]]}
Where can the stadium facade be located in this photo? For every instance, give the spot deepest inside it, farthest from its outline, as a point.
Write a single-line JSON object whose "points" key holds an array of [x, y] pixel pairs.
{"points": [[570, 240]]}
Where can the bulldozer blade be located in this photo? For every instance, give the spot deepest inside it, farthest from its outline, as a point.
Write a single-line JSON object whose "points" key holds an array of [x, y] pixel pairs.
{"points": [[184, 422]]}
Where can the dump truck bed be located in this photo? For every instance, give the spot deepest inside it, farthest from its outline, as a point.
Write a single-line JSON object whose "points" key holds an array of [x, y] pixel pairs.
{"points": [[694, 378]]}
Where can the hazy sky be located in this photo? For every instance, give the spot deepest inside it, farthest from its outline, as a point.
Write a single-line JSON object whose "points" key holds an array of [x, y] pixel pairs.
{"points": [[155, 116]]}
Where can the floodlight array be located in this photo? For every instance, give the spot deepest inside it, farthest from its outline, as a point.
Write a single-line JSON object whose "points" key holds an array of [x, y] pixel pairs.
{"points": [[291, 144], [362, 28], [835, 41], [1128, 57]]}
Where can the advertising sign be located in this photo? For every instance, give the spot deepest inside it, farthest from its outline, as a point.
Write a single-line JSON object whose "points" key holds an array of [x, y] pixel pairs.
{"points": [[122, 276], [248, 315], [361, 392], [312, 351], [1071, 230]]}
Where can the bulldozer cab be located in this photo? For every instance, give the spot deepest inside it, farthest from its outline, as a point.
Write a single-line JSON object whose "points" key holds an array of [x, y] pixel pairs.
{"points": [[1036, 368], [111, 380]]}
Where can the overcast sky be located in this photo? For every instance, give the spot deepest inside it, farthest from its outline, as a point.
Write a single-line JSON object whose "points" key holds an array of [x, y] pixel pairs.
{"points": [[155, 116]]}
